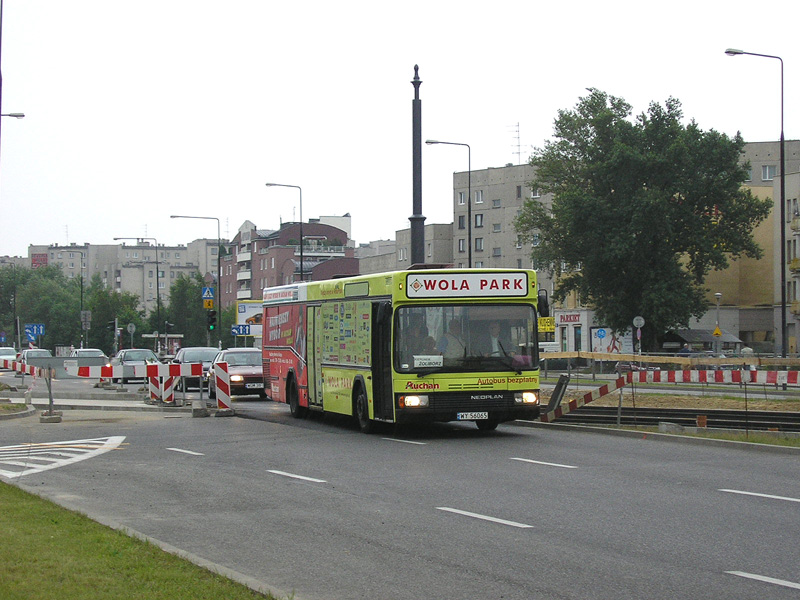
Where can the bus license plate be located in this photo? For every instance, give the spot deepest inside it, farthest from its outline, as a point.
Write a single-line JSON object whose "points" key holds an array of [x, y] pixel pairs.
{"points": [[253, 386], [472, 416]]}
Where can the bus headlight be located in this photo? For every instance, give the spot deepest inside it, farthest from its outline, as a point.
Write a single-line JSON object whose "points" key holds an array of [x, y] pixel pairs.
{"points": [[527, 397], [413, 401]]}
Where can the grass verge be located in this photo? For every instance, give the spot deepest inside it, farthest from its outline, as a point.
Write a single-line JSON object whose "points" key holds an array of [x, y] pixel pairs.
{"points": [[47, 551], [11, 408], [753, 437]]}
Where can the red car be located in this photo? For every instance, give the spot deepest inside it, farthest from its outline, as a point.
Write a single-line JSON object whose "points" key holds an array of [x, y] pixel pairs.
{"points": [[245, 370]]}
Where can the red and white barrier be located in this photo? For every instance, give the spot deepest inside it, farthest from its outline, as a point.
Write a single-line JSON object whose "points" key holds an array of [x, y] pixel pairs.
{"points": [[714, 376], [564, 409], [222, 386], [139, 371]]}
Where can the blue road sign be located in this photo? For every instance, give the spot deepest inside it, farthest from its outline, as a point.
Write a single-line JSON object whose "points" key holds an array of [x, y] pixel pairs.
{"points": [[34, 329], [240, 329], [208, 293]]}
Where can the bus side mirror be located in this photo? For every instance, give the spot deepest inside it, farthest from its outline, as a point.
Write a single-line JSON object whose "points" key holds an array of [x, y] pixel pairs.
{"points": [[544, 304]]}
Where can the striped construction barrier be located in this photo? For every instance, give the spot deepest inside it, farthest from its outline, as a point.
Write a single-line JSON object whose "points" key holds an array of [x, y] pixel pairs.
{"points": [[139, 371], [21, 367], [162, 389], [564, 409], [713, 376], [222, 386], [716, 376]]}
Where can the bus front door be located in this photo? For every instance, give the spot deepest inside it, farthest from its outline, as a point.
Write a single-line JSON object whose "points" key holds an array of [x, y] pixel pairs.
{"points": [[383, 402]]}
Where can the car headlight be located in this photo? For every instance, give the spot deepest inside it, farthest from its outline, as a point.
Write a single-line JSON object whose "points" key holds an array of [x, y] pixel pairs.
{"points": [[237, 378], [415, 401], [526, 397]]}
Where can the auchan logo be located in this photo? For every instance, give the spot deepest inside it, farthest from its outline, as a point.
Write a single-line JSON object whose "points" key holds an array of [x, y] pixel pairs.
{"points": [[467, 285]]}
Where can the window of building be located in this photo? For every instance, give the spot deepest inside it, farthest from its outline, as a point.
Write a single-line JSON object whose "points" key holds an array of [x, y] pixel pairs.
{"points": [[768, 172], [150, 285], [462, 221], [496, 203], [519, 241], [479, 244], [162, 285], [479, 264], [177, 255], [479, 220], [462, 245], [535, 193], [519, 263], [135, 255], [150, 273], [478, 196], [535, 240], [272, 262], [519, 191], [497, 252], [462, 198], [497, 227], [749, 174], [402, 254], [430, 249]]}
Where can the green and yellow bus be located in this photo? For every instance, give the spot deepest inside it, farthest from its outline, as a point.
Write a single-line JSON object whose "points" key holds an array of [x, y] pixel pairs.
{"points": [[407, 346]]}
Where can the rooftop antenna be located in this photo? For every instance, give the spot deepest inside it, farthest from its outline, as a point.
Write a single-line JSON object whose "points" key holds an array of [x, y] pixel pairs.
{"points": [[517, 145]]}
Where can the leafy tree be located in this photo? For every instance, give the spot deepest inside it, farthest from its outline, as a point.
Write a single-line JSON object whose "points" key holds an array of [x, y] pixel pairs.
{"points": [[106, 305], [642, 209], [186, 310]]}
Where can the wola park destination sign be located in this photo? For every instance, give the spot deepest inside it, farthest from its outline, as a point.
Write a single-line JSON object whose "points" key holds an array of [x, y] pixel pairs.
{"points": [[468, 285]]}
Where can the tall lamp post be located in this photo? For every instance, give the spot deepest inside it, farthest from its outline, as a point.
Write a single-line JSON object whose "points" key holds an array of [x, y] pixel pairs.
{"points": [[83, 256], [469, 194], [302, 266], [735, 52], [219, 245], [718, 296], [158, 291]]}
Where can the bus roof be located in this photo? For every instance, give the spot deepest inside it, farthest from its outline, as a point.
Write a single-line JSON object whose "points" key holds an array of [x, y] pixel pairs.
{"points": [[412, 285]]}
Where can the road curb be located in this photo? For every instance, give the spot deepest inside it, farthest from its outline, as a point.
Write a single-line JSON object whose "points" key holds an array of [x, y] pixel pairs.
{"points": [[29, 410]]}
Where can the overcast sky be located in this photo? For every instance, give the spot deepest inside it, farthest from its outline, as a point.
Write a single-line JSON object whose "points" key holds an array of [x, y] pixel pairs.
{"points": [[139, 110]]}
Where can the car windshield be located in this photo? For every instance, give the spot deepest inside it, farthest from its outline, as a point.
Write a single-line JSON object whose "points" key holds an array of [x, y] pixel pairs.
{"points": [[242, 358], [89, 352], [38, 354], [146, 355], [200, 355], [453, 337]]}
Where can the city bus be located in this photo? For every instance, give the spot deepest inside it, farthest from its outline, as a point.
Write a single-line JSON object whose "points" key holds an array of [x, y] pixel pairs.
{"points": [[409, 346]]}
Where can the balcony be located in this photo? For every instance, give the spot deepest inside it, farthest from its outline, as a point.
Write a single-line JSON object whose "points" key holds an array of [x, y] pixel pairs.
{"points": [[244, 257], [244, 275], [794, 265], [244, 294], [795, 224], [795, 307]]}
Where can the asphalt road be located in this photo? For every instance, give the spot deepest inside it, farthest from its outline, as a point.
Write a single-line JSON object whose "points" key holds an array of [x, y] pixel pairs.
{"points": [[317, 508]]}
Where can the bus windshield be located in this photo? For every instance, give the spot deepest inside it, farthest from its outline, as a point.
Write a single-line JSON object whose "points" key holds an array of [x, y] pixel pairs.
{"points": [[468, 337]]}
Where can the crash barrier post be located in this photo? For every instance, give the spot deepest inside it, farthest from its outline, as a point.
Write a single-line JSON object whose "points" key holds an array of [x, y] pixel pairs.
{"points": [[558, 393]]}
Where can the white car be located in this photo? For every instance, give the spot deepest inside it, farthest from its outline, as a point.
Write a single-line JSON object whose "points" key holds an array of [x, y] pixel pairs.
{"points": [[88, 353], [7, 354]]}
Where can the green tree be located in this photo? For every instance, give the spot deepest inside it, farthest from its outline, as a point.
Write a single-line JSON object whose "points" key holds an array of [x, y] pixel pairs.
{"points": [[642, 209], [106, 305], [185, 310]]}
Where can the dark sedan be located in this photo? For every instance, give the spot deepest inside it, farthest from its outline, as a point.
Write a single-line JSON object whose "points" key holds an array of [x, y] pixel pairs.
{"points": [[245, 370], [201, 354]]}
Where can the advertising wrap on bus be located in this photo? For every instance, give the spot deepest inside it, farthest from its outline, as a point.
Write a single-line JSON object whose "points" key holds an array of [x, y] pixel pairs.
{"points": [[407, 346]]}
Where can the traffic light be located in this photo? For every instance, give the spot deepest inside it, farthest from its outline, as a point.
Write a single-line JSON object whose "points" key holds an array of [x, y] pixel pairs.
{"points": [[112, 325], [211, 318]]}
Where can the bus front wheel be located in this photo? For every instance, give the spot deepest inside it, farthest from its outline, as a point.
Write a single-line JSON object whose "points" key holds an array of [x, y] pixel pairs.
{"points": [[298, 412], [362, 412]]}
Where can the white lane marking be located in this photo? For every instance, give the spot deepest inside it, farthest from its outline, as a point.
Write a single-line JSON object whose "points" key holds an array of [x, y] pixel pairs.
{"points": [[186, 451], [761, 495], [404, 441], [293, 476], [781, 582], [484, 517], [547, 464], [57, 454]]}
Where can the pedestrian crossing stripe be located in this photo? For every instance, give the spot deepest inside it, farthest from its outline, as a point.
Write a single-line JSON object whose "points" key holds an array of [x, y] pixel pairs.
{"points": [[26, 459]]}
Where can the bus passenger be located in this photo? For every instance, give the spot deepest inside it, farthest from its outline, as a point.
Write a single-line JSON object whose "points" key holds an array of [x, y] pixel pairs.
{"points": [[452, 343]]}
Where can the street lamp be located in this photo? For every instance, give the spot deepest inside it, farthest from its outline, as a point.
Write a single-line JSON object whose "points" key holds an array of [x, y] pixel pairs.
{"points": [[15, 115], [158, 292], [302, 272], [735, 52], [83, 256], [219, 246], [718, 296], [469, 194]]}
